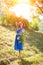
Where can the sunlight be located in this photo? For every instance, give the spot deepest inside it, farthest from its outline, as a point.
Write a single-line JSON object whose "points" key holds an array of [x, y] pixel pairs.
{"points": [[23, 1], [22, 10], [41, 17]]}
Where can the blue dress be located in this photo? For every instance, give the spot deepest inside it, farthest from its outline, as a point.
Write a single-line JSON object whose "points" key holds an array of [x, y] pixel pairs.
{"points": [[18, 43]]}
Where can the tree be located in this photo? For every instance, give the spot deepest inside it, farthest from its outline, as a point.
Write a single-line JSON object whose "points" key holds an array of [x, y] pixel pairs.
{"points": [[32, 2], [35, 23], [10, 3]]}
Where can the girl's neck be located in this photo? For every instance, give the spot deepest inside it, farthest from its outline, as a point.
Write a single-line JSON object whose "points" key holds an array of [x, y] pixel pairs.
{"points": [[18, 28]]}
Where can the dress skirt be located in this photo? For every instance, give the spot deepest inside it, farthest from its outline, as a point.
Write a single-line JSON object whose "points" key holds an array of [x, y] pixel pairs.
{"points": [[18, 43]]}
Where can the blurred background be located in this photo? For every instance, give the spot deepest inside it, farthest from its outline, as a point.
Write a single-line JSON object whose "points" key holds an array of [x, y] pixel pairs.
{"points": [[30, 13]]}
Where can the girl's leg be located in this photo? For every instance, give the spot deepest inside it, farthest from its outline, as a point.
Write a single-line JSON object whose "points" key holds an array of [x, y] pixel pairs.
{"points": [[20, 53]]}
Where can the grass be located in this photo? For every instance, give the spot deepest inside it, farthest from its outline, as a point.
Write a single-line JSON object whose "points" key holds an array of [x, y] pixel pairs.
{"points": [[33, 48], [36, 39]]}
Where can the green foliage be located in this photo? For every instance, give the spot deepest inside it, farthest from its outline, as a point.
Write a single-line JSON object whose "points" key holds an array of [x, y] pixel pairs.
{"points": [[22, 37], [10, 19], [35, 23]]}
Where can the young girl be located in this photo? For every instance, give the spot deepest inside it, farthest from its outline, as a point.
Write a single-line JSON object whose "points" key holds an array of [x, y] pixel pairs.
{"points": [[18, 43]]}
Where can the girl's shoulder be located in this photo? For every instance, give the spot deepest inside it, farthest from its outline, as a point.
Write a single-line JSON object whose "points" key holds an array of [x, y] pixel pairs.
{"points": [[19, 30]]}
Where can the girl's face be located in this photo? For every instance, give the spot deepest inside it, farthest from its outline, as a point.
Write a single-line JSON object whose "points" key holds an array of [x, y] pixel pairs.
{"points": [[19, 24]]}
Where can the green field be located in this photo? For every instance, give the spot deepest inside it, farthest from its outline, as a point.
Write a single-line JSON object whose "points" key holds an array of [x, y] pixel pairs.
{"points": [[33, 48]]}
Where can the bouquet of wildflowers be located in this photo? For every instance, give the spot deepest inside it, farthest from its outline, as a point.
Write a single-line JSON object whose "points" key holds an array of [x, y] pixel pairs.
{"points": [[23, 36]]}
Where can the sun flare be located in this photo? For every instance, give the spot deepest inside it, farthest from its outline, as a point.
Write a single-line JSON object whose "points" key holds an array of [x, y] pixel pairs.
{"points": [[22, 10]]}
